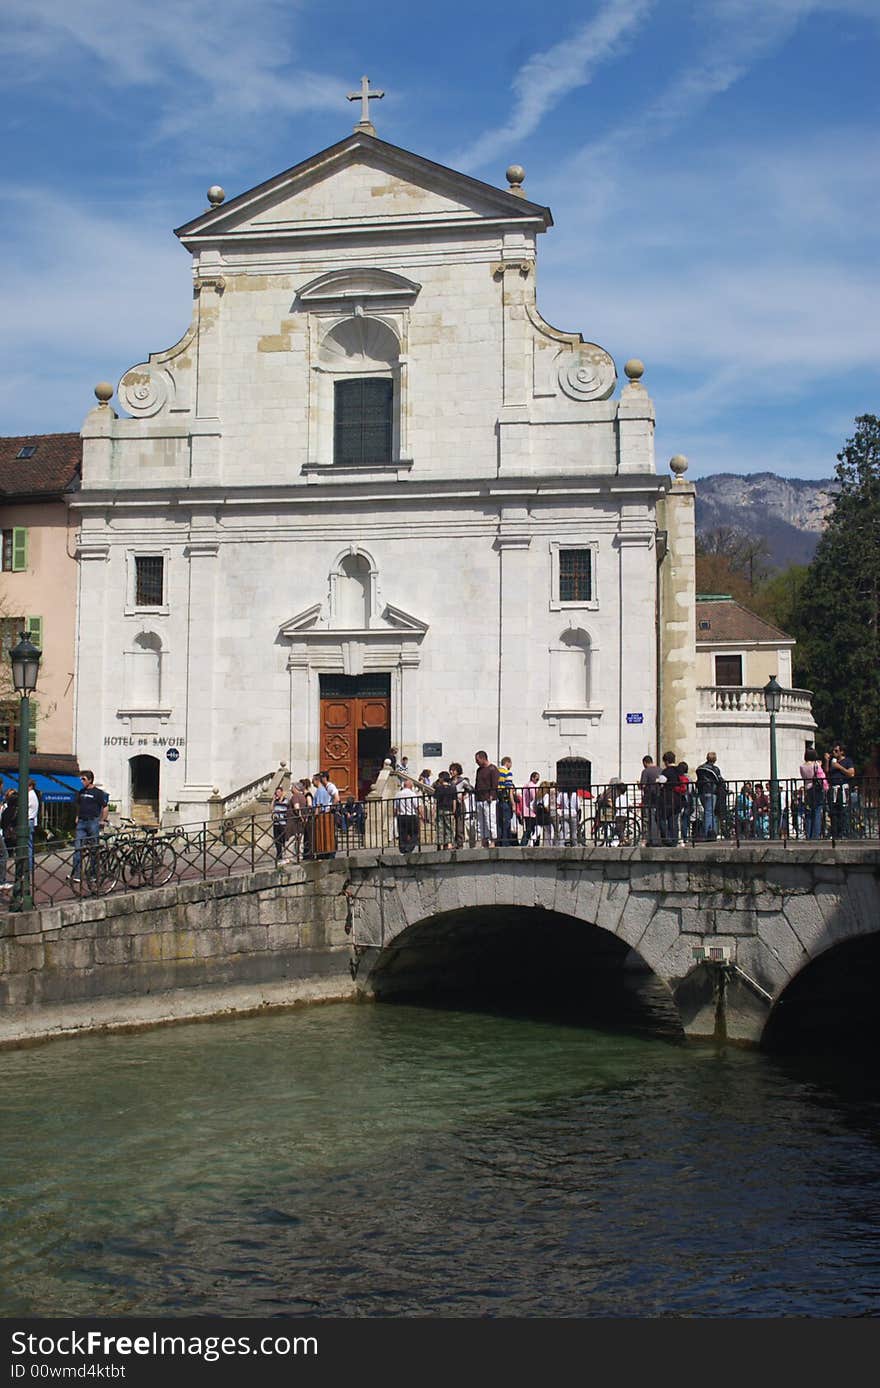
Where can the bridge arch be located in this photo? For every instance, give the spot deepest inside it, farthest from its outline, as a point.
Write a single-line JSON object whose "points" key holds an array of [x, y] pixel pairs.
{"points": [[522, 958], [726, 933]]}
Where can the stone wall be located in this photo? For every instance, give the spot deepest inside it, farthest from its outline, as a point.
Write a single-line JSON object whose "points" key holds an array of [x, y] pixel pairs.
{"points": [[277, 938], [195, 950]]}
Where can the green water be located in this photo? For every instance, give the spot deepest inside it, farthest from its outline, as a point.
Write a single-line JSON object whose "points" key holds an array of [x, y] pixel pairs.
{"points": [[399, 1160]]}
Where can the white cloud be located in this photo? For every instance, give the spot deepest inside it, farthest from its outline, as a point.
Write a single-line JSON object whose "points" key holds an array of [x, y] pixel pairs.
{"points": [[227, 60], [103, 290], [550, 76]]}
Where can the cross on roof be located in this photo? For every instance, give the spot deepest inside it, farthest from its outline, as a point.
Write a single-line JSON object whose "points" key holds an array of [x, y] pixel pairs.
{"points": [[365, 96]]}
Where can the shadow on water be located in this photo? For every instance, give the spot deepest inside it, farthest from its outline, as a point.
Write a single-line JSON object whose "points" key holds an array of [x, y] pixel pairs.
{"points": [[526, 963]]}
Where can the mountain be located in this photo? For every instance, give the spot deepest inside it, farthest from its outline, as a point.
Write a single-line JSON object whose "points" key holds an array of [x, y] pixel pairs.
{"points": [[789, 512]]}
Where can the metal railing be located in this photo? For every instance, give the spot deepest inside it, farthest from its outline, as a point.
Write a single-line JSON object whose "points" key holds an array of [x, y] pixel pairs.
{"points": [[531, 817]]}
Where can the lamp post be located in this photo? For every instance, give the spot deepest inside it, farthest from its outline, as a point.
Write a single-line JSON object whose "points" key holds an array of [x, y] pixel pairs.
{"points": [[773, 703], [25, 659]]}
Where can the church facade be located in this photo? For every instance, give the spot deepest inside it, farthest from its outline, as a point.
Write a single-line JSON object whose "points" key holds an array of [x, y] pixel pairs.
{"points": [[372, 498]]}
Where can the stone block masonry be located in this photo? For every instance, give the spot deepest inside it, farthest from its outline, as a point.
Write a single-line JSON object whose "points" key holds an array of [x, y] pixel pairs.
{"points": [[322, 931]]}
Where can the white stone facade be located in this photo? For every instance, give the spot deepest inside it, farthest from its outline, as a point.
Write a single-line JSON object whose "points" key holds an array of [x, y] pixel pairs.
{"points": [[438, 567]]}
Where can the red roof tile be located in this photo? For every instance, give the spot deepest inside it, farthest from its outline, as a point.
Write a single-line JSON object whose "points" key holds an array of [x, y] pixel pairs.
{"points": [[730, 621], [52, 469]]}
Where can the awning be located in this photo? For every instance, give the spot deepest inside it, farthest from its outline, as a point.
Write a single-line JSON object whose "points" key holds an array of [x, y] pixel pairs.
{"points": [[52, 789]]}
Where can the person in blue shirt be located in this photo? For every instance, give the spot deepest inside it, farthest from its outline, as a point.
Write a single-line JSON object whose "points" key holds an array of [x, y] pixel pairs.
{"points": [[91, 812]]}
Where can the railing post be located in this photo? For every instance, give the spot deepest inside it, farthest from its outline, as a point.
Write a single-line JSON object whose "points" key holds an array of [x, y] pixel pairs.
{"points": [[205, 850]]}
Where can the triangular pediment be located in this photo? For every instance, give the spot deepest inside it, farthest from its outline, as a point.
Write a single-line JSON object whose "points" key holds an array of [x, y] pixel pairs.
{"points": [[357, 185], [314, 622]]}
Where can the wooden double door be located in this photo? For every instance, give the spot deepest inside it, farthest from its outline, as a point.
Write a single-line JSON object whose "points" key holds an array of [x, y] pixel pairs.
{"points": [[355, 731]]}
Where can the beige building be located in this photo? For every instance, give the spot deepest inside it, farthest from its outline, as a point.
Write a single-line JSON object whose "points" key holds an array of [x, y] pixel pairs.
{"points": [[737, 653], [38, 475]]}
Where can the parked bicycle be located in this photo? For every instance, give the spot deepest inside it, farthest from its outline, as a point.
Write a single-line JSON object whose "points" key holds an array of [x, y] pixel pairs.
{"points": [[140, 857]]}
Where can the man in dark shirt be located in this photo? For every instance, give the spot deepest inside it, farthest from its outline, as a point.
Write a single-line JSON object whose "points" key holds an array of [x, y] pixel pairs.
{"points": [[710, 789], [486, 794], [840, 770], [651, 782], [91, 813]]}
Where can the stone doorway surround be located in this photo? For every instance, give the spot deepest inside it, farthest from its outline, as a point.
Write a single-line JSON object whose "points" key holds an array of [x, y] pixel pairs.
{"points": [[390, 645]]}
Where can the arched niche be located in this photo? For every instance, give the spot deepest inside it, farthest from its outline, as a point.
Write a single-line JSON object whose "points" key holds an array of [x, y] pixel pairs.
{"points": [[143, 672], [360, 344], [571, 670], [354, 594]]}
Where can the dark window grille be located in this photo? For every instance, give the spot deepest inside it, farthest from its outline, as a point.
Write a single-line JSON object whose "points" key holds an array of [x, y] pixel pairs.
{"points": [[7, 550], [728, 670], [355, 686], [575, 575], [362, 422], [574, 773], [149, 580]]}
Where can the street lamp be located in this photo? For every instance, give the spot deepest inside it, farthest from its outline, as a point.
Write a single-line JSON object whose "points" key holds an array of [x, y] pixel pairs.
{"points": [[25, 659], [773, 703]]}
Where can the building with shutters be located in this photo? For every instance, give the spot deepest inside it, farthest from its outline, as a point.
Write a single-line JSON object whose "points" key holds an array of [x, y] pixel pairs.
{"points": [[372, 497], [39, 475]]}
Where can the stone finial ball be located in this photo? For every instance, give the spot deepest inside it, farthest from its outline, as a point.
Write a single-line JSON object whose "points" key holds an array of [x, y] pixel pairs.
{"points": [[104, 392], [215, 195], [678, 464], [635, 369], [516, 174]]}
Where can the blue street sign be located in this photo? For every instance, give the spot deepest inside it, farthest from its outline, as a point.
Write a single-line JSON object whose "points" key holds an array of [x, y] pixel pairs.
{"points": [[635, 718], [172, 753]]}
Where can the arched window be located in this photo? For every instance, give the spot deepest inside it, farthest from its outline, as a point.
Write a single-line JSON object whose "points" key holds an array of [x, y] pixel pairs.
{"points": [[362, 356], [144, 671], [570, 670]]}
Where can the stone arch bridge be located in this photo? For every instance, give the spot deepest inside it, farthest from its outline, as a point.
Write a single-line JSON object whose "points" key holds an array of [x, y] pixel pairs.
{"points": [[726, 930]]}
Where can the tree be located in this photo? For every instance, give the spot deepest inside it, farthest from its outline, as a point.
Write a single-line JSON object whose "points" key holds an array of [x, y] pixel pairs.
{"points": [[838, 614], [732, 562]]}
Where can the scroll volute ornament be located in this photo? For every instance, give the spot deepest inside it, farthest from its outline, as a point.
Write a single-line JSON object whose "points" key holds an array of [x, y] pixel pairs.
{"points": [[143, 391], [587, 373]]}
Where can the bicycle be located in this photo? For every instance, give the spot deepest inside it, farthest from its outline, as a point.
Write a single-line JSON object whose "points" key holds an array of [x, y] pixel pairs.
{"points": [[148, 862], [623, 831], [139, 856]]}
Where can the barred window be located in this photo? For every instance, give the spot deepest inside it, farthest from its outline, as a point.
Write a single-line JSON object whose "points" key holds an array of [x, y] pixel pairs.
{"points": [[362, 421], [575, 575], [149, 580]]}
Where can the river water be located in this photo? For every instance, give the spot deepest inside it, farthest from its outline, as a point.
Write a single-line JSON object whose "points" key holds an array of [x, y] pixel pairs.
{"points": [[402, 1160]]}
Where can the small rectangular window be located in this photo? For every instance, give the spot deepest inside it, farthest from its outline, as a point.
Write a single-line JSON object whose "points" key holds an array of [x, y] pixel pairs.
{"points": [[10, 631], [728, 670], [9, 727], [149, 584], [362, 421], [575, 575], [15, 549], [27, 451]]}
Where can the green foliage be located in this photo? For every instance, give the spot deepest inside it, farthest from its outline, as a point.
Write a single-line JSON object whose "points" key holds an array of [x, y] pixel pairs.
{"points": [[778, 600], [837, 614]]}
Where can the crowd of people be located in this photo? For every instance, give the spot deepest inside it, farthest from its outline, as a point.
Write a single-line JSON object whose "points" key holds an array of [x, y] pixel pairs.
{"points": [[669, 807]]}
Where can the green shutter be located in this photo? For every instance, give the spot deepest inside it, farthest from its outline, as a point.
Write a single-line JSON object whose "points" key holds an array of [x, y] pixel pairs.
{"points": [[32, 729], [35, 630], [19, 548]]}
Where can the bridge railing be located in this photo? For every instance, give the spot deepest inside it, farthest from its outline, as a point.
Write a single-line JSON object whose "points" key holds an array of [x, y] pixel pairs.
{"points": [[531, 817]]}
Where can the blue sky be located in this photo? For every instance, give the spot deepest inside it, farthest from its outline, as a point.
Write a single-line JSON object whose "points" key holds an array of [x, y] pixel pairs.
{"points": [[712, 167]]}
